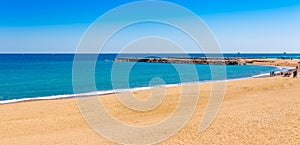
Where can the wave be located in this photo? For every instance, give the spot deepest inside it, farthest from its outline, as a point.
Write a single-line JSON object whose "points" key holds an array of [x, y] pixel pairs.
{"points": [[99, 93], [59, 96]]}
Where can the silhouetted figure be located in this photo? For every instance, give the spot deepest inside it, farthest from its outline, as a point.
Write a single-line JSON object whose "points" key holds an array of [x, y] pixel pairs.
{"points": [[272, 74], [295, 73], [287, 74]]}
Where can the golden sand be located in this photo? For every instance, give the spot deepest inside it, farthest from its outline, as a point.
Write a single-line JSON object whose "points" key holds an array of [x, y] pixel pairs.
{"points": [[273, 62], [254, 111]]}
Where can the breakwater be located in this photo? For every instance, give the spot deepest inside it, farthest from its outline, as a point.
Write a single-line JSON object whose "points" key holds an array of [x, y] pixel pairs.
{"points": [[219, 61]]}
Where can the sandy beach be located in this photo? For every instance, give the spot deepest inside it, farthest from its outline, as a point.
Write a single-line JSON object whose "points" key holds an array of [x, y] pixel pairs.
{"points": [[273, 62], [254, 111], [149, 72]]}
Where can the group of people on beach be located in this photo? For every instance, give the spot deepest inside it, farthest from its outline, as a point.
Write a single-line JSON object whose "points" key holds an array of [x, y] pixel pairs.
{"points": [[293, 72]]}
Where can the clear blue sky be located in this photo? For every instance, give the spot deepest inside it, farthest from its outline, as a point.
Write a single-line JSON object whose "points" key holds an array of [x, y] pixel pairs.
{"points": [[57, 25]]}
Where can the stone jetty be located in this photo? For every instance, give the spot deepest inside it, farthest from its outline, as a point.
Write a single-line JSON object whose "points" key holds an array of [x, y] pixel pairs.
{"points": [[219, 61]]}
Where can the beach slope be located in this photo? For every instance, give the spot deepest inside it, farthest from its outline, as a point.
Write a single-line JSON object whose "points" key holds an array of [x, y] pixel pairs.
{"points": [[254, 111]]}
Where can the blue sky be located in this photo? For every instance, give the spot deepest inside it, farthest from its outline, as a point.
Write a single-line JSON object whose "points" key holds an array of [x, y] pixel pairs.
{"points": [[51, 26]]}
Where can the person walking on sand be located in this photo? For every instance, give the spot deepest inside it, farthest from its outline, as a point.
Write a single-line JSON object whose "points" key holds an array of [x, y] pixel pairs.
{"points": [[295, 73], [272, 74]]}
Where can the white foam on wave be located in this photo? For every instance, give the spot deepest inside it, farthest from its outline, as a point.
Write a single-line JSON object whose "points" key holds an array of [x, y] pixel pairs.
{"points": [[95, 93], [36, 98], [99, 93], [262, 75]]}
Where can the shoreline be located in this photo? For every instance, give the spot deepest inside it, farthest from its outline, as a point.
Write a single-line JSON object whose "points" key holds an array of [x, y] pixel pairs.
{"points": [[108, 92], [253, 111]]}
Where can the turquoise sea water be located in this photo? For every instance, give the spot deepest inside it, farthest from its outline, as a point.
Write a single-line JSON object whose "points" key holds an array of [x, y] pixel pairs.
{"points": [[31, 76]]}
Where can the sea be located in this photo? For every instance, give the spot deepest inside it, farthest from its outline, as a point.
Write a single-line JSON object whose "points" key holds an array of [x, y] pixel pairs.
{"points": [[49, 76]]}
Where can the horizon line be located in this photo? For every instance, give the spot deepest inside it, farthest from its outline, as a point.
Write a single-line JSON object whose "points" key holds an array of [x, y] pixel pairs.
{"points": [[152, 53]]}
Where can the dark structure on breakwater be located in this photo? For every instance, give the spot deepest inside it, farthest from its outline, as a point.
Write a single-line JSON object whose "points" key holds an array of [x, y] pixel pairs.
{"points": [[219, 61]]}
